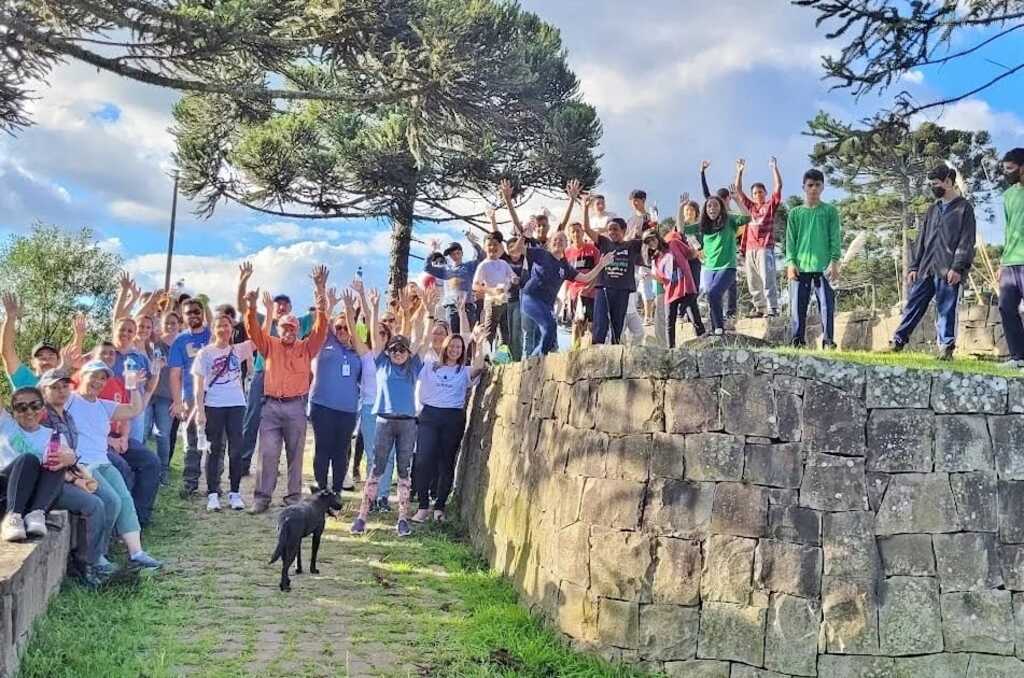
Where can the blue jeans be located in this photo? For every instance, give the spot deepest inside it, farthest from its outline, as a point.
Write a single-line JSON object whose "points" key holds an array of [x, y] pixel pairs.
{"points": [[515, 330], [251, 423], [160, 408], [800, 291], [543, 316], [1011, 291], [946, 296], [531, 333], [368, 427], [610, 307], [93, 512], [717, 284], [118, 501]]}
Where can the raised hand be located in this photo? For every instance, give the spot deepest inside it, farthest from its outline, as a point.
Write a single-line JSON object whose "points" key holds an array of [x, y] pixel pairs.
{"points": [[704, 164], [245, 271], [79, 325], [573, 189], [348, 298], [741, 164], [251, 296], [732, 190], [319, 276], [505, 188], [357, 285], [374, 297], [268, 302], [10, 303], [124, 280], [773, 163], [490, 213], [683, 199]]}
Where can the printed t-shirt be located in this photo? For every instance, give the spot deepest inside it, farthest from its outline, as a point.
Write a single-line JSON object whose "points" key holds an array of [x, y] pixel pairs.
{"points": [[583, 258], [16, 441], [396, 386], [720, 247], [444, 386], [221, 370], [760, 231], [620, 274], [183, 351]]}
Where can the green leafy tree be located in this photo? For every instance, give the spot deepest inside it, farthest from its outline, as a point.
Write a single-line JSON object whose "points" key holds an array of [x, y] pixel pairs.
{"points": [[56, 273], [516, 112]]}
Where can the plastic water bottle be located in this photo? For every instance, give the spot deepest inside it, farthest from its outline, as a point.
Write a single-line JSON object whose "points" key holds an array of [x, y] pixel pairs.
{"points": [[359, 273], [131, 373], [202, 442], [502, 355], [158, 353]]}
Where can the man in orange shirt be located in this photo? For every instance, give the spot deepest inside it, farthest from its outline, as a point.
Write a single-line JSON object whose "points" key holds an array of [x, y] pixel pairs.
{"points": [[285, 389]]}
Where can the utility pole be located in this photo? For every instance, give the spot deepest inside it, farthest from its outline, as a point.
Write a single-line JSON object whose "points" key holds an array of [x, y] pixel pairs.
{"points": [[170, 236]]}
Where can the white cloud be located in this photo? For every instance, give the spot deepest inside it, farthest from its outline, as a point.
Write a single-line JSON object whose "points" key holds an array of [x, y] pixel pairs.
{"points": [[915, 77], [112, 245], [135, 211], [976, 115], [289, 231]]}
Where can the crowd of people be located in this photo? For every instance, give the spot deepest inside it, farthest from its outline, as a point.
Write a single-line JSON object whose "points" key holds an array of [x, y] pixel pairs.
{"points": [[94, 431]]}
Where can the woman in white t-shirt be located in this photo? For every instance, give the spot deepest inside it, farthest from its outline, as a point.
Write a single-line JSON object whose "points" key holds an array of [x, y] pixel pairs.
{"points": [[220, 408], [443, 392]]}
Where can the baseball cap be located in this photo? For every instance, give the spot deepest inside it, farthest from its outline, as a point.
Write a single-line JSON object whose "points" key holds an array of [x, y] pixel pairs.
{"points": [[288, 319], [97, 366], [282, 297], [44, 345], [54, 376], [397, 341], [452, 247]]}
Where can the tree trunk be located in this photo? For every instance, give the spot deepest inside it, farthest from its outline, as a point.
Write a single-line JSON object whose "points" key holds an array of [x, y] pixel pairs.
{"points": [[401, 239], [905, 244]]}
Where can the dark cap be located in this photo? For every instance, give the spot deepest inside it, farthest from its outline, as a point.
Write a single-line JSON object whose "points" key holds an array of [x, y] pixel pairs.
{"points": [[637, 193], [44, 344], [282, 297], [452, 247], [397, 341], [54, 376]]}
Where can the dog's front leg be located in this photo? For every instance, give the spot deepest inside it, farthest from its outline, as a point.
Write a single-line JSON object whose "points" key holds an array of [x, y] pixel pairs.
{"points": [[312, 558]]}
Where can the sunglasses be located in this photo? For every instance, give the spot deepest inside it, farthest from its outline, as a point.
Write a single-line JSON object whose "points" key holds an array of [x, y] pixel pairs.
{"points": [[22, 408], [341, 328], [398, 349], [193, 312]]}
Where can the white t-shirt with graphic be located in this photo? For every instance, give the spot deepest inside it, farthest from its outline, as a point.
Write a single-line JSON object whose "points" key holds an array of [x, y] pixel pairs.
{"points": [[444, 386], [221, 370]]}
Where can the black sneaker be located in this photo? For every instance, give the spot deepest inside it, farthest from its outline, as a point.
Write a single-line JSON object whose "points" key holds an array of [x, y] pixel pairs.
{"points": [[383, 505], [896, 347], [187, 492], [945, 353]]}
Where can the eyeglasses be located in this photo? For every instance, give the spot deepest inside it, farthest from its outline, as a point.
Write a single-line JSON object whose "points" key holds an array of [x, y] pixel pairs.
{"points": [[22, 408], [341, 328]]}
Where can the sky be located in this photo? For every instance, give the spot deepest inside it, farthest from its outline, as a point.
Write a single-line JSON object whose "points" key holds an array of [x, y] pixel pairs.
{"points": [[674, 82]]}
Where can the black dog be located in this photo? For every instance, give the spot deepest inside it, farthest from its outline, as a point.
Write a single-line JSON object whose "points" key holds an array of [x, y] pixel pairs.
{"points": [[297, 522]]}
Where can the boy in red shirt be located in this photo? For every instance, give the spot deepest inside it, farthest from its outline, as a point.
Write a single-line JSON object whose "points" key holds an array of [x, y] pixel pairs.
{"points": [[759, 240], [583, 255]]}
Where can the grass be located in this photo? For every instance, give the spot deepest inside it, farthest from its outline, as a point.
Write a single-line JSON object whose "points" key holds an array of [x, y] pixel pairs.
{"points": [[909, 360], [426, 606]]}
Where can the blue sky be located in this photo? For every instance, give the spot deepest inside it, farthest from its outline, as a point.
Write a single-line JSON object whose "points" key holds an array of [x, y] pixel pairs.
{"points": [[674, 82]]}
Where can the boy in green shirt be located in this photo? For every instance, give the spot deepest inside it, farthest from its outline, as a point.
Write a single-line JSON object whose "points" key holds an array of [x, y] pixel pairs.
{"points": [[813, 246], [1011, 269]]}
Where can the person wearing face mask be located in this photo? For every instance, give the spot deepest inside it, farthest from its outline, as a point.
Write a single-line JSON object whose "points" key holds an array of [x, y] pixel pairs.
{"points": [[1011, 268], [942, 255], [285, 390]]}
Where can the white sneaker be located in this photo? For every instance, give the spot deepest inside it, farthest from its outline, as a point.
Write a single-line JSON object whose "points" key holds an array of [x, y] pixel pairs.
{"points": [[347, 484], [13, 528], [35, 524], [235, 500], [212, 502], [719, 332]]}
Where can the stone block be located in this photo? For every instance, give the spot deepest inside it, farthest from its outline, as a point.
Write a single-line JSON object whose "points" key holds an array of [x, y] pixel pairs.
{"points": [[988, 666], [629, 457], [933, 666], [834, 666], [691, 406], [777, 364], [962, 443], [849, 544], [619, 563], [833, 421], [677, 573], [1011, 508], [577, 615], [587, 452], [847, 377], [788, 568], [618, 623], [849, 612], [668, 632], [791, 640], [597, 362], [833, 483], [646, 362], [732, 633], [975, 495], [697, 668], [714, 456], [682, 363], [917, 503], [1008, 445], [613, 503], [716, 362], [581, 413], [728, 569], [679, 507], [744, 671], [780, 497], [907, 555], [892, 387], [572, 557], [960, 393], [784, 383], [1017, 601], [909, 620], [668, 456], [1015, 395], [794, 523], [544, 403], [967, 561], [978, 621], [748, 405], [740, 510], [900, 441], [875, 485], [790, 410], [774, 465], [630, 406], [563, 403], [1011, 559]]}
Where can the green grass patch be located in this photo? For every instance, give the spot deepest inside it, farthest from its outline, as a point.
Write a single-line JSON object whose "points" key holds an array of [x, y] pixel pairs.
{"points": [[910, 360]]}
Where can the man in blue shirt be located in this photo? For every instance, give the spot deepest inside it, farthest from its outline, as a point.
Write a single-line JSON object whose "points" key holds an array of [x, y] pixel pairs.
{"points": [[458, 276], [183, 351]]}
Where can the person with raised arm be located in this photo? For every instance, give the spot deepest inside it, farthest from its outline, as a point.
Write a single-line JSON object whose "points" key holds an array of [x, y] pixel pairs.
{"points": [[530, 331], [44, 356], [492, 282], [759, 239], [727, 196], [583, 255], [458, 276], [718, 231], [670, 261], [183, 351], [285, 390], [813, 248]]}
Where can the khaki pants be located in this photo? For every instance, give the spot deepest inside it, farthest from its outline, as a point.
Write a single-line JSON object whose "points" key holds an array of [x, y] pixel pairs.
{"points": [[281, 423], [761, 280]]}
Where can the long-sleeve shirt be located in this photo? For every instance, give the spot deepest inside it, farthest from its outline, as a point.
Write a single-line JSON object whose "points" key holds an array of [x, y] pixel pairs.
{"points": [[813, 237], [946, 240], [463, 273], [1013, 209], [288, 367]]}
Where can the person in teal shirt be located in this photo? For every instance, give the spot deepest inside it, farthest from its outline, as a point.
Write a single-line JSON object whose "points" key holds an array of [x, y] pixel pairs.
{"points": [[1011, 269], [44, 356], [813, 248], [718, 233]]}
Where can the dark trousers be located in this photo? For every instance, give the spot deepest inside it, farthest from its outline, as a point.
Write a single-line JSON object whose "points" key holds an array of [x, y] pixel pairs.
{"points": [[1011, 291], [332, 438], [224, 425], [731, 298], [496, 320], [717, 284], [175, 426], [358, 448], [29, 487], [251, 423], [610, 306], [946, 296], [453, 316], [438, 437], [800, 291], [677, 308], [145, 478]]}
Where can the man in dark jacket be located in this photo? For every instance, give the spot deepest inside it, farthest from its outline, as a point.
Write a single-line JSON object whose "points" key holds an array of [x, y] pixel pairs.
{"points": [[942, 256]]}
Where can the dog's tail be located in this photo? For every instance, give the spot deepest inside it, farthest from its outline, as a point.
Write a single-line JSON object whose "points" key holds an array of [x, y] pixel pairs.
{"points": [[278, 553]]}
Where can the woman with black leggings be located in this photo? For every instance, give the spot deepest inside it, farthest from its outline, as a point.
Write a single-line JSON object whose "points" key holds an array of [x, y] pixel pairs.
{"points": [[444, 390]]}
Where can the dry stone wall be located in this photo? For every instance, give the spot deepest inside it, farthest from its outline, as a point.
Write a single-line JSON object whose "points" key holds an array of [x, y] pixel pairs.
{"points": [[732, 513]]}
